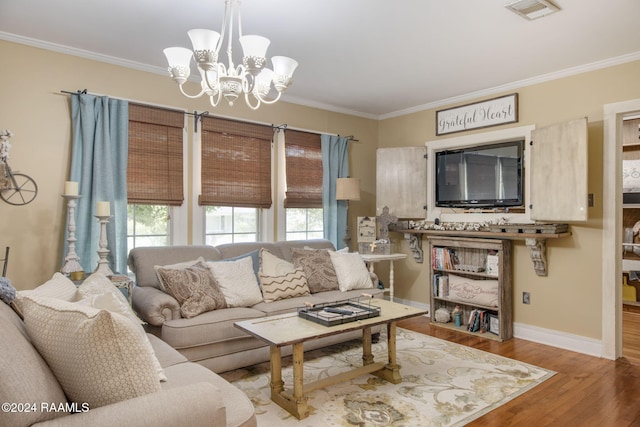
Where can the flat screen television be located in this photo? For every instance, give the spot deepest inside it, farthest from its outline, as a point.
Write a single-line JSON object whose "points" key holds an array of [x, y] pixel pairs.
{"points": [[484, 176]]}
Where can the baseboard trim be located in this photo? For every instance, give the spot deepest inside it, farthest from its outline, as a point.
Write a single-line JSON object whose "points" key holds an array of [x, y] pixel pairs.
{"points": [[550, 337], [559, 339]]}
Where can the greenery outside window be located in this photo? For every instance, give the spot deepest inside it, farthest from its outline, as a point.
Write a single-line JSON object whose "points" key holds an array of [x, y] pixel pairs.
{"points": [[147, 225]]}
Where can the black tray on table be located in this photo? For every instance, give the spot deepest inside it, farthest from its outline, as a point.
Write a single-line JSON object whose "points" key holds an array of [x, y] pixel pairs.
{"points": [[358, 309]]}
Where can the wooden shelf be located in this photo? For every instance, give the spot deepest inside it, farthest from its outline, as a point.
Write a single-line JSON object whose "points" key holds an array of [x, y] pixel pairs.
{"points": [[472, 251], [536, 242], [488, 234], [463, 329]]}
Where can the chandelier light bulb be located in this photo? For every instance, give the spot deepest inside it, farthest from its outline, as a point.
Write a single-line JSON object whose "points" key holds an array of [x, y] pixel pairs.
{"points": [[252, 79]]}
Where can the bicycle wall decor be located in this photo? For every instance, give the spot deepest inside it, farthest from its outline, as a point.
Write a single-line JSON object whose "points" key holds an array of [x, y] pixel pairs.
{"points": [[15, 188]]}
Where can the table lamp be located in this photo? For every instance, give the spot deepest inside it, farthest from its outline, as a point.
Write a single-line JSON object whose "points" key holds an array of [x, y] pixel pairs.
{"points": [[347, 189]]}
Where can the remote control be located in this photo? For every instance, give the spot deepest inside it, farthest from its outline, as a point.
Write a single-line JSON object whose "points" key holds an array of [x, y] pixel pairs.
{"points": [[338, 311]]}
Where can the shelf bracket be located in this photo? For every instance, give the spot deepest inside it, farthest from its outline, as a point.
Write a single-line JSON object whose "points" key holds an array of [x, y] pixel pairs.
{"points": [[415, 244], [538, 250]]}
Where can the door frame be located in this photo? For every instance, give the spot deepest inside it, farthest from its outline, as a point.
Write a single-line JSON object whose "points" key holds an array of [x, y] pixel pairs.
{"points": [[612, 226]]}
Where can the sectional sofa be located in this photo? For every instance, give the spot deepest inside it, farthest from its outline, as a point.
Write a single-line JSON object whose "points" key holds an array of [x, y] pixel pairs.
{"points": [[210, 338], [70, 364]]}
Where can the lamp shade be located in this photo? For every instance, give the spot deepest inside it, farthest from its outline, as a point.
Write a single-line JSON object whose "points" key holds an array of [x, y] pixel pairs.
{"points": [[348, 189]]}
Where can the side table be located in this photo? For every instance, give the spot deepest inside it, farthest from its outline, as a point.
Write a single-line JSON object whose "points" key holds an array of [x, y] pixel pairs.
{"points": [[124, 284], [371, 259]]}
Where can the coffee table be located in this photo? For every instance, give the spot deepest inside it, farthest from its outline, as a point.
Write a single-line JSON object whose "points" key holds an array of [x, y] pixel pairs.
{"points": [[290, 329]]}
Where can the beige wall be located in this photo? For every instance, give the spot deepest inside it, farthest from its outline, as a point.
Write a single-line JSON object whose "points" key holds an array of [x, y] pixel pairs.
{"points": [[31, 105], [33, 108], [569, 298]]}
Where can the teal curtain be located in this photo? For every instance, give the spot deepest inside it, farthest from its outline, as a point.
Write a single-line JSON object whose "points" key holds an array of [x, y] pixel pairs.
{"points": [[100, 127], [335, 164]]}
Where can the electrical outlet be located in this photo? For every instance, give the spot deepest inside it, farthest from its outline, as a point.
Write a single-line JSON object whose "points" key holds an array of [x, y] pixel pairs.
{"points": [[526, 298]]}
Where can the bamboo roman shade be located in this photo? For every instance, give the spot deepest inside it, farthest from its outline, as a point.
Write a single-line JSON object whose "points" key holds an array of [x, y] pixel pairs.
{"points": [[236, 164], [154, 168], [303, 158]]}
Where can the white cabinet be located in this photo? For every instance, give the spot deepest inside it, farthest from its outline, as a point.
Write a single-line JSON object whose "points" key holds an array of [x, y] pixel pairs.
{"points": [[559, 164], [401, 181]]}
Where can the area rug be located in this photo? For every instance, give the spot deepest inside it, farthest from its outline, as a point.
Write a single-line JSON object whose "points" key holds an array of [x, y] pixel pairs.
{"points": [[443, 384]]}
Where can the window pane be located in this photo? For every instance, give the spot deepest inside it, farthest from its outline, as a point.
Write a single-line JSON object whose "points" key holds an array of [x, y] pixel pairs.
{"points": [[304, 223], [315, 235], [297, 236], [219, 219], [244, 220], [147, 225], [316, 222], [225, 224], [219, 239], [296, 220]]}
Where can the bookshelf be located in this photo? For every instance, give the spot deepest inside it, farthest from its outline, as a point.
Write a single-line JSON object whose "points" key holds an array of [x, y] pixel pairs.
{"points": [[475, 285]]}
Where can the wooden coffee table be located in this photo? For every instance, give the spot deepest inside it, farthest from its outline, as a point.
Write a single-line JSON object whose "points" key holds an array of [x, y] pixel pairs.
{"points": [[289, 329]]}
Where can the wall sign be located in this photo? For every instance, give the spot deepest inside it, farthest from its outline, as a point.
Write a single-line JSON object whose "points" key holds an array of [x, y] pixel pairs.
{"points": [[492, 112]]}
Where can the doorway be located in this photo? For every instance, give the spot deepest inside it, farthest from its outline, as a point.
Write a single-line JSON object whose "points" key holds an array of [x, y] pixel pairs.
{"points": [[612, 226]]}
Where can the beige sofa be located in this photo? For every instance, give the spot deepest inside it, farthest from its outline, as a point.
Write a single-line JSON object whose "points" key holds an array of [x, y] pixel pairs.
{"points": [[210, 338], [191, 396]]}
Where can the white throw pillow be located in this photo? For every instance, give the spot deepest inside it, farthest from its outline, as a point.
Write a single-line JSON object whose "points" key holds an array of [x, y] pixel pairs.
{"points": [[98, 357], [176, 266], [237, 281], [351, 271], [481, 292], [271, 265], [98, 292], [59, 286]]}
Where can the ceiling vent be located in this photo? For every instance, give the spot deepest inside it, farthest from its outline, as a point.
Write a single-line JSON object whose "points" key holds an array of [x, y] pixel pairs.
{"points": [[532, 9]]}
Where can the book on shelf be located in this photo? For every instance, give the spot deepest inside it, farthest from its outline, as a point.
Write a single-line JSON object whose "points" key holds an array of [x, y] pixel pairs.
{"points": [[443, 258], [478, 321]]}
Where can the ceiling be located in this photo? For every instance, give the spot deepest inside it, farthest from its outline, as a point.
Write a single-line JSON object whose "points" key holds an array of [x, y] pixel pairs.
{"points": [[370, 58]]}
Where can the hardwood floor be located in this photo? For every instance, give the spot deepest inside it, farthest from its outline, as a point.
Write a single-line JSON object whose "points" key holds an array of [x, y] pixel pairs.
{"points": [[586, 390]]}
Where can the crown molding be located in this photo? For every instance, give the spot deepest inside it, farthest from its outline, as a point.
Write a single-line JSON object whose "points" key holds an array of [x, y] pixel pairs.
{"points": [[328, 107]]}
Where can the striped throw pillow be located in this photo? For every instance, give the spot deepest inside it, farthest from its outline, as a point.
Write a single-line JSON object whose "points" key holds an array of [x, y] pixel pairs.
{"points": [[289, 285]]}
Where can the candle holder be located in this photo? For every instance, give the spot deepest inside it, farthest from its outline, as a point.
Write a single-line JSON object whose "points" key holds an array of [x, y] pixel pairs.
{"points": [[72, 260], [103, 251]]}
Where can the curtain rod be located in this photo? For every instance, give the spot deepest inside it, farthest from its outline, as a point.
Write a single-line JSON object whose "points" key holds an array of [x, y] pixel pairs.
{"points": [[199, 116]]}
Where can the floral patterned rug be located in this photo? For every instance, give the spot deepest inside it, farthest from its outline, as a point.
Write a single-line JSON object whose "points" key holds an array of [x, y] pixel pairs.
{"points": [[443, 384]]}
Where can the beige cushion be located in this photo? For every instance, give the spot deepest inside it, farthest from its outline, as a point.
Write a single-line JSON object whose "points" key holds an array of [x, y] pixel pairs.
{"points": [[289, 285], [98, 292], [59, 286], [238, 281], [317, 266], [98, 357], [481, 292], [272, 265], [194, 288], [176, 266], [351, 271]]}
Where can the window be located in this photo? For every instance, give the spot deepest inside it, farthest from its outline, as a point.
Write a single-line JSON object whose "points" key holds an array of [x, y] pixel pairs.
{"points": [[303, 196], [147, 225], [227, 224], [304, 223], [154, 174], [235, 179]]}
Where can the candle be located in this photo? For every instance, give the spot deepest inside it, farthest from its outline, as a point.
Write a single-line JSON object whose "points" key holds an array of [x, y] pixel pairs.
{"points": [[103, 209], [70, 188]]}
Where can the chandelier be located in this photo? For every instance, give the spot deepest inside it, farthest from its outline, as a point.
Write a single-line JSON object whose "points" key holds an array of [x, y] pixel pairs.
{"points": [[251, 78]]}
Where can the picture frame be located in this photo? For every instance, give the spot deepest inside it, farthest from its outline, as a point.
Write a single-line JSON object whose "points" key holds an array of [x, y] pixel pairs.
{"points": [[494, 324], [482, 114]]}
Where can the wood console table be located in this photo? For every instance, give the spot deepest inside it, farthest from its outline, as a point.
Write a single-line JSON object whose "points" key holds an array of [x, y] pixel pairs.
{"points": [[536, 242], [291, 330]]}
